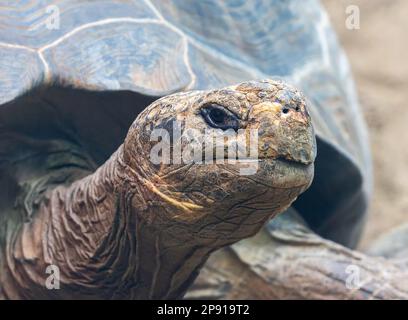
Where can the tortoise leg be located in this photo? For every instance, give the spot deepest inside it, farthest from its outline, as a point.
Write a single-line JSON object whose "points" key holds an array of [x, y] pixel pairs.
{"points": [[286, 260]]}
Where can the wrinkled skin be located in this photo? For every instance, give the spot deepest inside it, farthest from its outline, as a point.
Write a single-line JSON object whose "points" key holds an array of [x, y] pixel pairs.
{"points": [[136, 229]]}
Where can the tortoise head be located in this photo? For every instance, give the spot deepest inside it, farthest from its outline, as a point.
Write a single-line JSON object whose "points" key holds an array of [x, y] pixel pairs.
{"points": [[222, 162]]}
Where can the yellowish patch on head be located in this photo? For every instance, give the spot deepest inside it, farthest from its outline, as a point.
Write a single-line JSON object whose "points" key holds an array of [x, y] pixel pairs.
{"points": [[186, 207], [268, 106]]}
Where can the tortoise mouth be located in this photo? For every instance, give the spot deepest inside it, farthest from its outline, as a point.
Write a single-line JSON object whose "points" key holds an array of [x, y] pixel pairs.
{"points": [[284, 173], [281, 159], [274, 172], [291, 161]]}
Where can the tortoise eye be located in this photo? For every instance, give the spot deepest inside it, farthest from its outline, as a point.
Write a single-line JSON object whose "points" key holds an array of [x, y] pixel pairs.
{"points": [[219, 117]]}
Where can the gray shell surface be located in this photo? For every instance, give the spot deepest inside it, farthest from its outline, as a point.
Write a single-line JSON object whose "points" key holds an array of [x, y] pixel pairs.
{"points": [[156, 47]]}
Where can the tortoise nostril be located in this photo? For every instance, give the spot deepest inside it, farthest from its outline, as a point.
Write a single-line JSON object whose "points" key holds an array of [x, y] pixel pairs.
{"points": [[286, 109]]}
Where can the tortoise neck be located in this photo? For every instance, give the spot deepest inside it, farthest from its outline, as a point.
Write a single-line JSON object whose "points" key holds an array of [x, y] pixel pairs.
{"points": [[165, 269], [94, 233], [151, 262], [70, 224], [139, 258]]}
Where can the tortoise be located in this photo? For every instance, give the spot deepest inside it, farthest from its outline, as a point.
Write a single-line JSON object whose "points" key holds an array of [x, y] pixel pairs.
{"points": [[81, 192]]}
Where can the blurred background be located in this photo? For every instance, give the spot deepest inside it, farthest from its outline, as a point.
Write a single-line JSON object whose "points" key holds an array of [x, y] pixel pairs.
{"points": [[378, 53]]}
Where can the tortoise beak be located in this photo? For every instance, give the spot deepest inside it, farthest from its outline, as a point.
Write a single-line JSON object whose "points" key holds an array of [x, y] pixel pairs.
{"points": [[285, 132]]}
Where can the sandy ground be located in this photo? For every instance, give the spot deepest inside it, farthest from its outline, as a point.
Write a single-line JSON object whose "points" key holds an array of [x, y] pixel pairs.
{"points": [[378, 53]]}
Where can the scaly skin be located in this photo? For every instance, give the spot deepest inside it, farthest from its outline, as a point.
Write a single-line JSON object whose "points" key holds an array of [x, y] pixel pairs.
{"points": [[134, 229]]}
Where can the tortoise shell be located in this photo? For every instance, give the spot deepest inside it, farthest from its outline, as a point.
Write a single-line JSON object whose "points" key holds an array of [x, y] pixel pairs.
{"points": [[98, 63]]}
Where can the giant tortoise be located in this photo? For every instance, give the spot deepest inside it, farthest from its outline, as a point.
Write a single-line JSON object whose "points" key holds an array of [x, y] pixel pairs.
{"points": [[79, 189]]}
